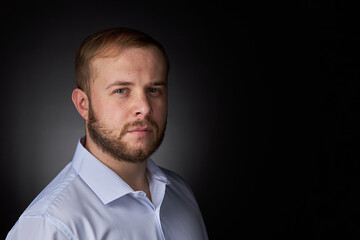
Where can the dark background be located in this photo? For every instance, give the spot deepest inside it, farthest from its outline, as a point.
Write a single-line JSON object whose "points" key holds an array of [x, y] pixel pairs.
{"points": [[264, 108]]}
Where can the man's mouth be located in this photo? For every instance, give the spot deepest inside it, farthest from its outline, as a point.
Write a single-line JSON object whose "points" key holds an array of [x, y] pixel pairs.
{"points": [[140, 131]]}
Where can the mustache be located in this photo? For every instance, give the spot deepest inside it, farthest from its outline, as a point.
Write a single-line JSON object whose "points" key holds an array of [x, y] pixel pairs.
{"points": [[144, 123]]}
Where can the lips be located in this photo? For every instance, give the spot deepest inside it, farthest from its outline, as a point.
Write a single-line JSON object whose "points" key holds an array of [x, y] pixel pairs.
{"points": [[140, 129], [140, 132]]}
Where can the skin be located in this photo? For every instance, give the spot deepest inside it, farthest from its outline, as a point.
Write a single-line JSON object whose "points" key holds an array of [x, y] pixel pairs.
{"points": [[126, 88]]}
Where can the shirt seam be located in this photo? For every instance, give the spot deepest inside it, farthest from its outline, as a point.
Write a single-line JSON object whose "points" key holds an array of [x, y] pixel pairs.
{"points": [[60, 226], [51, 219], [57, 195], [45, 211]]}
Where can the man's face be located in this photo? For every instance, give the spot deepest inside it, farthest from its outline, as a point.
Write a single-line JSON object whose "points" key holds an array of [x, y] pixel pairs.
{"points": [[128, 103]]}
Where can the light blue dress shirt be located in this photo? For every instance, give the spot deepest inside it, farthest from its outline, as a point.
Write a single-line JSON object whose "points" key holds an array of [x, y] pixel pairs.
{"points": [[88, 201]]}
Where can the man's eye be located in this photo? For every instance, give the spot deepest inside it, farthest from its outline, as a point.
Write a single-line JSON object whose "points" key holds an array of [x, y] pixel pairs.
{"points": [[153, 90], [121, 90]]}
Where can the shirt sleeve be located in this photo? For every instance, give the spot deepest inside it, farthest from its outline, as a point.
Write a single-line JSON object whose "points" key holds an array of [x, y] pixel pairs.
{"points": [[31, 228]]}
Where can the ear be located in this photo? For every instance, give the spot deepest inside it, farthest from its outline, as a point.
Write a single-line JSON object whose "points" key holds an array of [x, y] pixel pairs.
{"points": [[81, 102]]}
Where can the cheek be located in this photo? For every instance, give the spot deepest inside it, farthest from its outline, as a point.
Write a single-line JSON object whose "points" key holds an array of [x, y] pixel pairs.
{"points": [[160, 115], [110, 114], [115, 117]]}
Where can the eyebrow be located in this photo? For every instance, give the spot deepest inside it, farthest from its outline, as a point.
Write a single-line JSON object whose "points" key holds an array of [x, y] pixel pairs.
{"points": [[124, 83], [119, 83], [159, 83]]}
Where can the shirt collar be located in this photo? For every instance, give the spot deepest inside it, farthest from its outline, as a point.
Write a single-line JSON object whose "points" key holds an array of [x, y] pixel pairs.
{"points": [[106, 184]]}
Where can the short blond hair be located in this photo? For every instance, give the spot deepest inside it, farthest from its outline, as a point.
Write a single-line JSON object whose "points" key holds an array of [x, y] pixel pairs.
{"points": [[105, 43]]}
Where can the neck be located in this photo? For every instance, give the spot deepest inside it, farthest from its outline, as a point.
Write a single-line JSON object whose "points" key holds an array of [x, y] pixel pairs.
{"points": [[134, 174]]}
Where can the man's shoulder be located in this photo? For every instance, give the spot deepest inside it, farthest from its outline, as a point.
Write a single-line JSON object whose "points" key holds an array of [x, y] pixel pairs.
{"points": [[172, 176], [178, 183], [179, 194], [51, 193]]}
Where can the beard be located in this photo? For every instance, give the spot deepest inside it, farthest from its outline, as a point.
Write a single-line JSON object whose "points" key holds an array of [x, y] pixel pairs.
{"points": [[111, 142]]}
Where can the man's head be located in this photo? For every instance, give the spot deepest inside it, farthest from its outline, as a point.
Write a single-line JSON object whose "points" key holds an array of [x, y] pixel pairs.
{"points": [[122, 92], [107, 43]]}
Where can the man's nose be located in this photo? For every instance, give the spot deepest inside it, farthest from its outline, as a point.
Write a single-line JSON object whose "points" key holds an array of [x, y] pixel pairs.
{"points": [[142, 106]]}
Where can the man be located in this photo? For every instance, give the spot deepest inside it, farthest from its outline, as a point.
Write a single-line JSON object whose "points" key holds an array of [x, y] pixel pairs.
{"points": [[112, 189]]}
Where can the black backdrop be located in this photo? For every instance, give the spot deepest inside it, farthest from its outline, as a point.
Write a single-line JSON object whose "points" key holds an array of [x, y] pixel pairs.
{"points": [[263, 110]]}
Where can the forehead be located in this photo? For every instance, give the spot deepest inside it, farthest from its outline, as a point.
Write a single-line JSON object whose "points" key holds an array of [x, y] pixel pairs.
{"points": [[129, 62], [115, 51]]}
